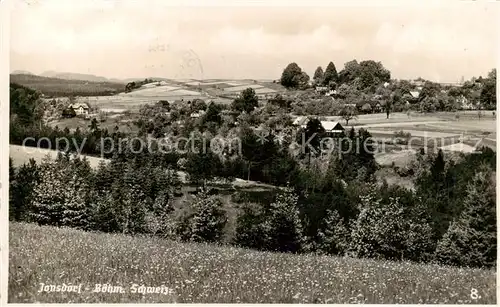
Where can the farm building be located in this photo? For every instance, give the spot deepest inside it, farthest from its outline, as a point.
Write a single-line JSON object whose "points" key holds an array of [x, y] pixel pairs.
{"points": [[300, 121], [322, 89], [80, 108], [415, 94], [332, 128], [197, 114]]}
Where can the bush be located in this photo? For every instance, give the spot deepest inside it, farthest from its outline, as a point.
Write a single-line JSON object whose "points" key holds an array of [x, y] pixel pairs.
{"points": [[389, 231], [334, 238], [283, 227], [203, 221], [402, 137], [250, 231]]}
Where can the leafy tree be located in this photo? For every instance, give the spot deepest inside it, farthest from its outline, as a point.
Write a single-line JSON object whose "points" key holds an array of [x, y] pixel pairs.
{"points": [[388, 107], [280, 102], [283, 226], [367, 108], [318, 75], [203, 166], [389, 230], [23, 104], [250, 232], [347, 113], [246, 102], [293, 76], [257, 150], [94, 125], [471, 238], [302, 80], [68, 112], [330, 74], [334, 237], [350, 72], [212, 115], [372, 73], [198, 105], [488, 96], [204, 220]]}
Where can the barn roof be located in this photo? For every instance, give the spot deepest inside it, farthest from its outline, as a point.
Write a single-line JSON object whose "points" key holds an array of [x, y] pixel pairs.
{"points": [[78, 105], [415, 94], [299, 121], [330, 126]]}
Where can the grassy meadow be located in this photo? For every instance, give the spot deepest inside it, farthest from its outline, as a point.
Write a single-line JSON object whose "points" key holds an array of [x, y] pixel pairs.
{"points": [[21, 155], [198, 273]]}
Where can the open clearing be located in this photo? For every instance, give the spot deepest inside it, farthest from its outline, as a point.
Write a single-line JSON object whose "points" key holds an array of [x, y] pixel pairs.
{"points": [[200, 273], [21, 155]]}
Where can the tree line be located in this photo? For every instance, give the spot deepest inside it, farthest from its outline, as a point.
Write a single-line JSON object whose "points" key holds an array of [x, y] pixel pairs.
{"points": [[450, 218], [368, 84], [321, 204]]}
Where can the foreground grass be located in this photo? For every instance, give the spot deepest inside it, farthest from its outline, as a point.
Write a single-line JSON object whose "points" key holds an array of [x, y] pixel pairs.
{"points": [[198, 273]]}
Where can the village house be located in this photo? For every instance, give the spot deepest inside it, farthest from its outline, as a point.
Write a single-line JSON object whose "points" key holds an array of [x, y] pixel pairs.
{"points": [[300, 121], [322, 89], [465, 104], [197, 114], [415, 94], [80, 108], [331, 128]]}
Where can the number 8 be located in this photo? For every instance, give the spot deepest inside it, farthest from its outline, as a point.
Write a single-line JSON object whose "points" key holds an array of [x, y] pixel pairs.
{"points": [[473, 294]]}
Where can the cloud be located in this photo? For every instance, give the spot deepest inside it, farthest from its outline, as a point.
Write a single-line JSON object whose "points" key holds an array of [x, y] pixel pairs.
{"points": [[432, 39], [114, 38], [259, 41]]}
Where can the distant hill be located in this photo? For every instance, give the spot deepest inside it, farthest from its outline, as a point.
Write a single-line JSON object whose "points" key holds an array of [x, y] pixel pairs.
{"points": [[57, 87], [74, 76], [21, 72]]}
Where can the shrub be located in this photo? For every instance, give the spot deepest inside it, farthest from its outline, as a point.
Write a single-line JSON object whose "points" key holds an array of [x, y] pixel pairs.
{"points": [[402, 137], [390, 231], [334, 238], [250, 231], [283, 227], [203, 221]]}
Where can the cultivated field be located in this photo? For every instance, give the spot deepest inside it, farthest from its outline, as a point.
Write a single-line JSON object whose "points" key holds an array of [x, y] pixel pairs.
{"points": [[442, 127], [198, 273]]}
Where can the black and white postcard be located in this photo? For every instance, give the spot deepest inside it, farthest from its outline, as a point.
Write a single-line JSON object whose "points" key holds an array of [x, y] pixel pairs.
{"points": [[253, 152]]}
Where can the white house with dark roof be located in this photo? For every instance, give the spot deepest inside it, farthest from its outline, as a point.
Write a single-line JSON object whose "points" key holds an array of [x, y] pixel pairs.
{"points": [[332, 128], [301, 121], [80, 108]]}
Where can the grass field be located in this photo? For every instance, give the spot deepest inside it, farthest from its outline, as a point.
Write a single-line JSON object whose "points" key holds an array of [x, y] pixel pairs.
{"points": [[198, 273], [21, 155]]}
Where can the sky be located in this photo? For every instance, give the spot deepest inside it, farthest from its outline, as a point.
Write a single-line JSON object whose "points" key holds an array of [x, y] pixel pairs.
{"points": [[440, 42]]}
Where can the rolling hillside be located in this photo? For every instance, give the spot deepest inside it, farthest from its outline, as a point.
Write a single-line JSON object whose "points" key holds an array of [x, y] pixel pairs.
{"points": [[63, 87], [73, 76], [200, 273]]}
